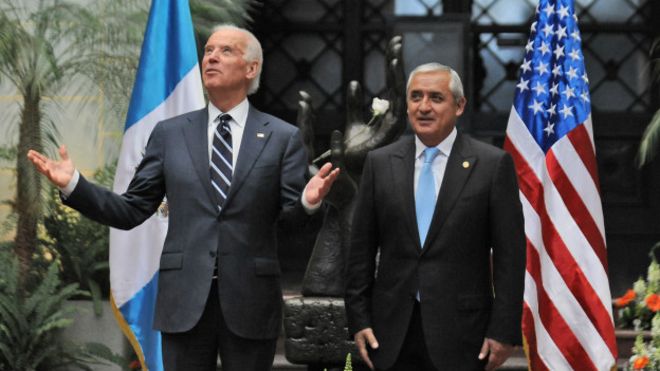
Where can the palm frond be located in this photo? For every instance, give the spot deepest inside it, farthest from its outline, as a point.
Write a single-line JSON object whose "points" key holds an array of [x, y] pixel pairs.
{"points": [[650, 143], [207, 13]]}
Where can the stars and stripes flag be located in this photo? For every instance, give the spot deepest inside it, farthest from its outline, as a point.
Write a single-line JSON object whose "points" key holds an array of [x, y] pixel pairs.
{"points": [[168, 83], [567, 313]]}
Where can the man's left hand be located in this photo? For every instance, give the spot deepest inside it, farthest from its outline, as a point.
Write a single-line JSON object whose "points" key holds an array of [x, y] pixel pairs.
{"points": [[319, 186], [496, 352]]}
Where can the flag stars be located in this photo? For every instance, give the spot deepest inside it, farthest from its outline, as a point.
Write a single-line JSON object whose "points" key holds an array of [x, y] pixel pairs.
{"points": [[534, 26], [526, 65], [547, 29], [523, 85], [544, 48], [542, 68], [566, 111], [551, 110], [574, 54], [576, 35], [536, 107], [569, 92], [548, 10], [585, 78], [563, 11], [554, 89], [530, 46], [559, 51], [539, 88], [561, 32], [584, 96], [550, 129], [572, 73], [556, 70]]}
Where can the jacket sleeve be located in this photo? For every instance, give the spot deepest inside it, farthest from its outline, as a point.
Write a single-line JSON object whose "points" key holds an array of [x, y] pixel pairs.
{"points": [[142, 198], [362, 254], [508, 242]]}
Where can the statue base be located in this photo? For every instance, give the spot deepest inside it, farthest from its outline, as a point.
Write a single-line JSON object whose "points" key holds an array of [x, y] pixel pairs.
{"points": [[316, 333]]}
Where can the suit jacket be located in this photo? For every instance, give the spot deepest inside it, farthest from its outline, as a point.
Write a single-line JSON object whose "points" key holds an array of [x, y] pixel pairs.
{"points": [[269, 176], [463, 297]]}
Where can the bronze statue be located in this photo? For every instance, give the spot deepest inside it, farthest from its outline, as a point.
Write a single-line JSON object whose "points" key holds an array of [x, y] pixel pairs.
{"points": [[325, 271]]}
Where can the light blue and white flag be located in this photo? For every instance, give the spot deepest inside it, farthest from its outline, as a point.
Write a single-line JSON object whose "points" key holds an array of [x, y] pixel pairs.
{"points": [[168, 83]]}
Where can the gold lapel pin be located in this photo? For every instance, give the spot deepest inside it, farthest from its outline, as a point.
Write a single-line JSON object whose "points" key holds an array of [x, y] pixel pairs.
{"points": [[260, 135], [466, 164]]}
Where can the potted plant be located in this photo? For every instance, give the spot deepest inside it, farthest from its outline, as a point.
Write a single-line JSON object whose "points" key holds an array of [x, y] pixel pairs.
{"points": [[31, 318]]}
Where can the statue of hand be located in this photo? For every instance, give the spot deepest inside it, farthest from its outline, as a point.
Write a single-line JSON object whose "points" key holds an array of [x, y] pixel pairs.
{"points": [[359, 137]]}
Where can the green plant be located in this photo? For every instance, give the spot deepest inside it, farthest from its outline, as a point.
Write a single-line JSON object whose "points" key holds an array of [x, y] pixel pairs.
{"points": [[646, 355], [29, 321], [44, 46], [638, 306], [80, 244], [650, 144]]}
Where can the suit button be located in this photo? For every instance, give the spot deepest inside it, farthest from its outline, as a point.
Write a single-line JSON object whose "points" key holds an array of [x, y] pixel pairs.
{"points": [[212, 254]]}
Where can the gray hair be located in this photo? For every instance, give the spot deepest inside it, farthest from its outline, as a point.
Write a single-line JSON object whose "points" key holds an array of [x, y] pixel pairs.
{"points": [[253, 52], [455, 84]]}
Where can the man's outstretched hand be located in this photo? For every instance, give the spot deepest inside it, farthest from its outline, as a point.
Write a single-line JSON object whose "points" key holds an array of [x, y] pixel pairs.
{"points": [[58, 172], [320, 184]]}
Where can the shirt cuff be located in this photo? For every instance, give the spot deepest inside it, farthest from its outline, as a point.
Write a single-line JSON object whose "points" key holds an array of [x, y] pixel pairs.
{"points": [[68, 189], [309, 208]]}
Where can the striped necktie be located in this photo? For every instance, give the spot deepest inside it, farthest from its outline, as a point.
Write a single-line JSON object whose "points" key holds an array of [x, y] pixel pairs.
{"points": [[221, 159], [425, 196]]}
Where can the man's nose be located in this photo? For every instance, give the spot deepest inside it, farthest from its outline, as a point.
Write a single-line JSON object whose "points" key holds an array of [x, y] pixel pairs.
{"points": [[425, 105]]}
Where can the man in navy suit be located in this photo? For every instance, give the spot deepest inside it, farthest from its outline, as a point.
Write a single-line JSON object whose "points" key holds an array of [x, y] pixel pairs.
{"points": [[432, 300], [219, 288]]}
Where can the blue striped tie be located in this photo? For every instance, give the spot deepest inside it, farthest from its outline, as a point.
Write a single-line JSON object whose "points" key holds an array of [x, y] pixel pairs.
{"points": [[425, 195], [221, 159]]}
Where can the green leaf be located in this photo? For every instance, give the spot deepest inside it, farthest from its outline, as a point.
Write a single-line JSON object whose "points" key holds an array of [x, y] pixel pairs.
{"points": [[649, 146]]}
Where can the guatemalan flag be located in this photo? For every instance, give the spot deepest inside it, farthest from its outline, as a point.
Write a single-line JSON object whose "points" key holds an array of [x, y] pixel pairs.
{"points": [[168, 83], [567, 312]]}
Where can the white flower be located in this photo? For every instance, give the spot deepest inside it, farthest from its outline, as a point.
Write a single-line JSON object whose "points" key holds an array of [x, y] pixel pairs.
{"points": [[379, 106]]}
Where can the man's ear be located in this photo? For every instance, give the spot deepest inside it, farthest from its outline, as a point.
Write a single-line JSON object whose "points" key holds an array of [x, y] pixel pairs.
{"points": [[461, 106], [252, 69]]}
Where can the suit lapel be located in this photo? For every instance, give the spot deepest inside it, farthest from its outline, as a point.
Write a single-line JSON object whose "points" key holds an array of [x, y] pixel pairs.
{"points": [[460, 164], [403, 175], [255, 136], [196, 139]]}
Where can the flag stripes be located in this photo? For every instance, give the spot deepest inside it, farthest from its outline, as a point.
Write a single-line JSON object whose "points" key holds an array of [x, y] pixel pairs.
{"points": [[567, 320]]}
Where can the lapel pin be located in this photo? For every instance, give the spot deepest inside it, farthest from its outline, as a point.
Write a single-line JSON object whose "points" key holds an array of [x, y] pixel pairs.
{"points": [[260, 135], [466, 164]]}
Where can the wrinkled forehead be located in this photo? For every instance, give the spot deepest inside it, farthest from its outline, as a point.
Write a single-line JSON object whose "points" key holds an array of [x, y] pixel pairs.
{"points": [[228, 37], [436, 81]]}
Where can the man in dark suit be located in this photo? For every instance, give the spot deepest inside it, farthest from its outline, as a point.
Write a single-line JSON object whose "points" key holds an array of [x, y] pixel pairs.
{"points": [[436, 285], [218, 289]]}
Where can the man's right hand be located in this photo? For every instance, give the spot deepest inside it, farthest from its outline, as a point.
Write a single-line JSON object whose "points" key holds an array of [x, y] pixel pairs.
{"points": [[362, 338], [58, 172]]}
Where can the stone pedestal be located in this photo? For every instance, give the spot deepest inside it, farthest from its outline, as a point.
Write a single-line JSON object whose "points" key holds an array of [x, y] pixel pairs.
{"points": [[316, 333]]}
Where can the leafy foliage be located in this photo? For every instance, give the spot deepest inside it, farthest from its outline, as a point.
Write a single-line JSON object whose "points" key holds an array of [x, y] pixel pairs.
{"points": [[80, 244], [206, 14], [650, 144], [30, 320], [637, 308]]}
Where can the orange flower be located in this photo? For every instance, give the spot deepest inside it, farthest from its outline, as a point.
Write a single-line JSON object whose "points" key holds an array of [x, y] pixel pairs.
{"points": [[653, 302], [625, 299], [640, 362]]}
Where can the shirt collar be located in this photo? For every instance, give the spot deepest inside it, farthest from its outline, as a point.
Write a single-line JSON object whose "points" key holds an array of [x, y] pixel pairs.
{"points": [[445, 146], [238, 113]]}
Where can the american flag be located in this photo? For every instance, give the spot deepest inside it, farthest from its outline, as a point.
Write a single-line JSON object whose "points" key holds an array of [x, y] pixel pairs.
{"points": [[567, 314]]}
